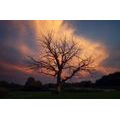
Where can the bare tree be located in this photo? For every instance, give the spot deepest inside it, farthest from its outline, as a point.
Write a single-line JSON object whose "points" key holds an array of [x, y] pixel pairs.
{"points": [[60, 57]]}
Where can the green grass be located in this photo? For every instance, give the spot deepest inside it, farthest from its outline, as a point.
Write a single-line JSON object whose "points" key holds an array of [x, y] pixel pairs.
{"points": [[63, 95]]}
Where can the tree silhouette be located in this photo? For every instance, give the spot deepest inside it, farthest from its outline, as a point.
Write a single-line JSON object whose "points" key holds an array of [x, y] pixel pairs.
{"points": [[32, 84], [60, 57], [109, 81]]}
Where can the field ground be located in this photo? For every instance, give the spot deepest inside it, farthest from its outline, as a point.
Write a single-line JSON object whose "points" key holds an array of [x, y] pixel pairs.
{"points": [[63, 95]]}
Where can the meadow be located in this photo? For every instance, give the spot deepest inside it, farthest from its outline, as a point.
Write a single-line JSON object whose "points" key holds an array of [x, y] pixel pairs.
{"points": [[63, 95]]}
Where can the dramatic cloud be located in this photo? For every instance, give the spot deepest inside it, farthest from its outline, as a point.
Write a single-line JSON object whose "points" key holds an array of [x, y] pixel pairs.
{"points": [[19, 39], [89, 48]]}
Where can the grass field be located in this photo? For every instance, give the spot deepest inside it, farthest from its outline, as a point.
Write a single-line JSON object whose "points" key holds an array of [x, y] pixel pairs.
{"points": [[63, 95]]}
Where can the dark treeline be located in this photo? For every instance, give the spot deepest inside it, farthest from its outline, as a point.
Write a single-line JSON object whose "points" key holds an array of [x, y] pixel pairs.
{"points": [[111, 81]]}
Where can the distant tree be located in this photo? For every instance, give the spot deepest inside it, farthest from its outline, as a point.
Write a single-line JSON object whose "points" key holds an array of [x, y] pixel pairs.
{"points": [[30, 81], [4, 84], [86, 84], [109, 81], [60, 57], [32, 84], [8, 85]]}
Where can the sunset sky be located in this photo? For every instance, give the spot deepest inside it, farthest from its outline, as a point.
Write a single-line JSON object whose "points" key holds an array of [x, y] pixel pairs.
{"points": [[18, 39]]}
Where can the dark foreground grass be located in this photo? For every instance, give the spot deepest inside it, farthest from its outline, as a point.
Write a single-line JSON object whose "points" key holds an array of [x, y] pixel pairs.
{"points": [[63, 95]]}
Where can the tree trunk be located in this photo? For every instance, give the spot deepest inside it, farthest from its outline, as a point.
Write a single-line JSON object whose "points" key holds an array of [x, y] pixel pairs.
{"points": [[59, 88], [59, 84]]}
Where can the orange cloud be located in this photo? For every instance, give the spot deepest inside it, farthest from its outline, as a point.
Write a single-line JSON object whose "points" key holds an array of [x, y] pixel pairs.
{"points": [[95, 49], [89, 48]]}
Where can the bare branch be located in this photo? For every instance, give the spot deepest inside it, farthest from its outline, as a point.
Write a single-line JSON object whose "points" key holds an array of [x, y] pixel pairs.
{"points": [[57, 56]]}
